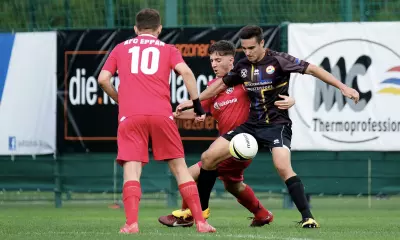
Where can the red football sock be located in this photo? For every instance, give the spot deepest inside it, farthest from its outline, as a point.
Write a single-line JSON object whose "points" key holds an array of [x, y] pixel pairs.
{"points": [[190, 195], [184, 204], [131, 197], [249, 200]]}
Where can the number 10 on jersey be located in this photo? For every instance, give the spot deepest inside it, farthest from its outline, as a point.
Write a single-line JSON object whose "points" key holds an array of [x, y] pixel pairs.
{"points": [[145, 67]]}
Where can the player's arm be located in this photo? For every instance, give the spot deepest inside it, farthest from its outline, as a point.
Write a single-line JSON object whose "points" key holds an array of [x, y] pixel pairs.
{"points": [[185, 115], [188, 78], [104, 79], [184, 111], [105, 83], [229, 80], [328, 78], [190, 83], [213, 90], [290, 64], [182, 68]]}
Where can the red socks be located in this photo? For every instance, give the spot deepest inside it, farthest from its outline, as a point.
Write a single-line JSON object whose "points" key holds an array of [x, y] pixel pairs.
{"points": [[184, 204], [190, 195], [131, 194], [249, 200]]}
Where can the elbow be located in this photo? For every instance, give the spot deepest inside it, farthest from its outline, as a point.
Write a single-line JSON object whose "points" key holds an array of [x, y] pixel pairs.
{"points": [[103, 80]]}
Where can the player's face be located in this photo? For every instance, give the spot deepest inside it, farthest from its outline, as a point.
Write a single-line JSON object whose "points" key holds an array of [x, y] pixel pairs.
{"points": [[221, 64], [254, 51]]}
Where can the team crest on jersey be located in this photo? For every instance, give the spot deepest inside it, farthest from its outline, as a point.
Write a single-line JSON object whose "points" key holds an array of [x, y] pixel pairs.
{"points": [[243, 73], [229, 90], [216, 106], [270, 69]]}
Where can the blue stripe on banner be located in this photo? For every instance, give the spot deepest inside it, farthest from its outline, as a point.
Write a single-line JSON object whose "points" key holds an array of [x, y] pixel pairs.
{"points": [[6, 45]]}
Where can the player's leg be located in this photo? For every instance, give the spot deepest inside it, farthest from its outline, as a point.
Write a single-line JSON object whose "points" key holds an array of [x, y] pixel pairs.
{"points": [[281, 159], [189, 193], [183, 217], [167, 145], [131, 194], [132, 142], [278, 138], [216, 153], [246, 197], [194, 171], [231, 172]]}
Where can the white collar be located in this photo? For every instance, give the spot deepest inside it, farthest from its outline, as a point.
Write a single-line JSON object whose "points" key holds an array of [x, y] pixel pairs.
{"points": [[146, 35]]}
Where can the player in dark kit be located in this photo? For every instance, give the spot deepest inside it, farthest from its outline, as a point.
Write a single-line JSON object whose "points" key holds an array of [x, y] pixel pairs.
{"points": [[230, 109], [265, 74]]}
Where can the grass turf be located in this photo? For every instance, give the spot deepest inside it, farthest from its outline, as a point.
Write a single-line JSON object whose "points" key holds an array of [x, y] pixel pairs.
{"points": [[340, 218]]}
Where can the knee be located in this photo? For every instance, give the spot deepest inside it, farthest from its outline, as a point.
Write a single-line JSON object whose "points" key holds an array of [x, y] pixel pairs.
{"points": [[285, 172], [179, 170], [177, 166], [207, 161], [132, 171], [234, 188]]}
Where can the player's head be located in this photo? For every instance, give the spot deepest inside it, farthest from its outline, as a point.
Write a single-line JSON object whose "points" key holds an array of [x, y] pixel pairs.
{"points": [[222, 55], [148, 21], [251, 38]]}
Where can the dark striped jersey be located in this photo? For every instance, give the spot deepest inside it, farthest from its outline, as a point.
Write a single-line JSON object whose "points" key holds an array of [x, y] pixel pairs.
{"points": [[264, 81]]}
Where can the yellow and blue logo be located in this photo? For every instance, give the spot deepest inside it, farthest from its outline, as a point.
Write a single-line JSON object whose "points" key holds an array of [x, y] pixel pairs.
{"points": [[392, 85], [270, 69]]}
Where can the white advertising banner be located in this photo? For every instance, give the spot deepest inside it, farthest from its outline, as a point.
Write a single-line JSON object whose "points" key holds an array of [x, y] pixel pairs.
{"points": [[365, 56], [28, 93]]}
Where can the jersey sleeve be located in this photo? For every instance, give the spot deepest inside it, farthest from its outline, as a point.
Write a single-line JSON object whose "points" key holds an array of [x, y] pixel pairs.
{"points": [[176, 57], [206, 105], [233, 78], [111, 62], [290, 64]]}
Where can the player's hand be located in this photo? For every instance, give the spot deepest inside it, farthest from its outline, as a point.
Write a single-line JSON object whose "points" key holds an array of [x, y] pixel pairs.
{"points": [[197, 108], [351, 93], [200, 118], [184, 106], [286, 103]]}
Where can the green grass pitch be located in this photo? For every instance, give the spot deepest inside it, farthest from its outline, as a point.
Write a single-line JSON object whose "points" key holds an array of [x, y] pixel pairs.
{"points": [[340, 218]]}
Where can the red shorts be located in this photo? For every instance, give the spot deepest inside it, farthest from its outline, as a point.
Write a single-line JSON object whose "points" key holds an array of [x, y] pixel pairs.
{"points": [[231, 170], [133, 139]]}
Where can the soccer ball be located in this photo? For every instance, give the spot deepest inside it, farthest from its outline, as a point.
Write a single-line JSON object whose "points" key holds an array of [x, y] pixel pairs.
{"points": [[243, 146]]}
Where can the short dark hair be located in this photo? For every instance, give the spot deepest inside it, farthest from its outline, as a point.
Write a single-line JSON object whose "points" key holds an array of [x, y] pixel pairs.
{"points": [[148, 19], [223, 48], [251, 31]]}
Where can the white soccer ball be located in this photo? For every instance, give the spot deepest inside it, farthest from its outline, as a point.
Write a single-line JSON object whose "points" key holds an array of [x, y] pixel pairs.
{"points": [[243, 146]]}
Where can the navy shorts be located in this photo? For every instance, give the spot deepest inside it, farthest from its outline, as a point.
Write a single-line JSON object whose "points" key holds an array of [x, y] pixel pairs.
{"points": [[267, 136]]}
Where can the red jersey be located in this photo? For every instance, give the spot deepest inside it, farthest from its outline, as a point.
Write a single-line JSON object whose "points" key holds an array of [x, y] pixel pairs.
{"points": [[230, 108], [144, 64]]}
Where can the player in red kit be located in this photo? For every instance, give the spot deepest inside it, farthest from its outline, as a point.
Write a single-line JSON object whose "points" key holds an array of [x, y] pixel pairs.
{"points": [[230, 108], [144, 64]]}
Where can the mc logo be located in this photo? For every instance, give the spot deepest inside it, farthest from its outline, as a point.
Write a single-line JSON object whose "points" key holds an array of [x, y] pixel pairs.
{"points": [[328, 95], [324, 113]]}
